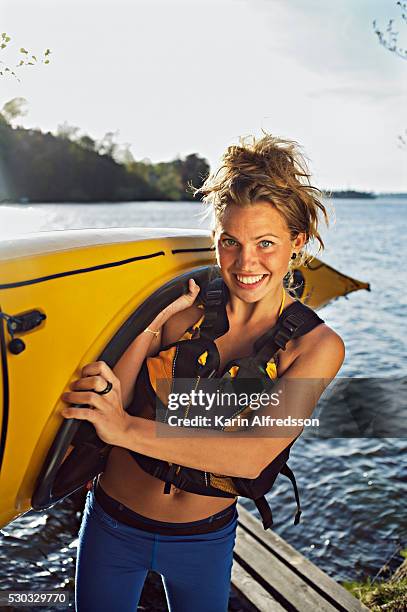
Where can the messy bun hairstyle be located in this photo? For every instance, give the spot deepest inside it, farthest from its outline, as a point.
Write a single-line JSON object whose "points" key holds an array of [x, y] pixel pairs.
{"points": [[273, 170]]}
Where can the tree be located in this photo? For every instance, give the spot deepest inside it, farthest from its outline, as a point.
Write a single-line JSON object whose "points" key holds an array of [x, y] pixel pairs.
{"points": [[87, 143], [14, 108], [168, 181], [123, 155], [106, 146], [193, 171], [67, 132], [70, 166]]}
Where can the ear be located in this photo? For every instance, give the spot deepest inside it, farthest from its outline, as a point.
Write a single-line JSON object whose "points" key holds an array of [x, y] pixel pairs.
{"points": [[299, 241]]}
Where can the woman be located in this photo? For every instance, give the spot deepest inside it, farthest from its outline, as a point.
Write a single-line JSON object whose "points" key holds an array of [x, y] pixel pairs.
{"points": [[265, 213]]}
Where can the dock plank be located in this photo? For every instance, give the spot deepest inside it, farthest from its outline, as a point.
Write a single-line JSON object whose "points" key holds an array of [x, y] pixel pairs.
{"points": [[285, 585], [297, 565], [254, 592]]}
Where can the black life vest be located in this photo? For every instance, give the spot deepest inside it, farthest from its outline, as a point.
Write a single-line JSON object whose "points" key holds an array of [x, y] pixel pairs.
{"points": [[198, 358]]}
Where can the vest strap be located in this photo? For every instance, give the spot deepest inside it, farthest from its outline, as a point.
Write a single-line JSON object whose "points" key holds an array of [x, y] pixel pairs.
{"points": [[295, 321], [215, 298], [286, 471], [264, 509], [168, 479]]}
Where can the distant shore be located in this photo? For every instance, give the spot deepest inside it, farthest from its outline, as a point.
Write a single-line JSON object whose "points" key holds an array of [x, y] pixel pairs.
{"points": [[361, 195], [337, 195]]}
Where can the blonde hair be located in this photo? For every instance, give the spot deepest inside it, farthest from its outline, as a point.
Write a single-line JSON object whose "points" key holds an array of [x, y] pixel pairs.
{"points": [[273, 170]]}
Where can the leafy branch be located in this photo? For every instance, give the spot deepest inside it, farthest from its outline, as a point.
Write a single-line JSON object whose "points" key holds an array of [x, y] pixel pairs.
{"points": [[25, 58], [388, 38]]}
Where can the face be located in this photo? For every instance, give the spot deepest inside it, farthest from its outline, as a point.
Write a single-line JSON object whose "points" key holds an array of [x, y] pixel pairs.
{"points": [[253, 250]]}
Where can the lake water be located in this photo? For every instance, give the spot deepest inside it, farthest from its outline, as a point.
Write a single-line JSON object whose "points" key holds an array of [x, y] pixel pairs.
{"points": [[353, 490]]}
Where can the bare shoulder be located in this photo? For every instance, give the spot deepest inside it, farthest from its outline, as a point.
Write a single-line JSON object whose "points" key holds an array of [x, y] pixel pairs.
{"points": [[329, 338], [322, 335], [320, 354]]}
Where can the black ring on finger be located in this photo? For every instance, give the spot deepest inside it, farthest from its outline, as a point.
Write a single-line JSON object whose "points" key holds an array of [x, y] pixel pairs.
{"points": [[109, 387]]}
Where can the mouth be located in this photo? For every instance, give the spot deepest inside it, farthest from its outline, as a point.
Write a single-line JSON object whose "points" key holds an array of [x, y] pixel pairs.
{"points": [[249, 282]]}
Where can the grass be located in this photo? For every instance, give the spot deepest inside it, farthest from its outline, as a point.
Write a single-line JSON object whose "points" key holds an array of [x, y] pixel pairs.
{"points": [[388, 595]]}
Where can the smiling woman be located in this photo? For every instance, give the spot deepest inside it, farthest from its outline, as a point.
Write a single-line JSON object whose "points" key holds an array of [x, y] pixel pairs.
{"points": [[245, 325], [255, 264], [263, 172]]}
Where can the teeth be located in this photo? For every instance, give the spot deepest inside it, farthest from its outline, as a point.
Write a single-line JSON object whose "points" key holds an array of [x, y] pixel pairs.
{"points": [[249, 280]]}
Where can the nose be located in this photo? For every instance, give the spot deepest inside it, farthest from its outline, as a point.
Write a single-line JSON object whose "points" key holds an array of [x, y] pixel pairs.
{"points": [[247, 259]]}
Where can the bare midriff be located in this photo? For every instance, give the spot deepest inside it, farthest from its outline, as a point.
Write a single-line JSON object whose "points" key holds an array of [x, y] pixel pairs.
{"points": [[125, 481]]}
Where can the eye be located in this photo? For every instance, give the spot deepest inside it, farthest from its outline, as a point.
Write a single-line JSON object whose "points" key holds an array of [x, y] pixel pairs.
{"points": [[228, 242], [266, 243]]}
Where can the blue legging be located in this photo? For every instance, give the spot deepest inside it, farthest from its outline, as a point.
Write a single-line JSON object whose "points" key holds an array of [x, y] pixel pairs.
{"points": [[113, 561]]}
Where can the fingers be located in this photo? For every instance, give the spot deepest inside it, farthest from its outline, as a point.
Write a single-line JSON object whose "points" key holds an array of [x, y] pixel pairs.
{"points": [[79, 413], [99, 368], [193, 290], [85, 390], [95, 377], [83, 397], [89, 383], [193, 287]]}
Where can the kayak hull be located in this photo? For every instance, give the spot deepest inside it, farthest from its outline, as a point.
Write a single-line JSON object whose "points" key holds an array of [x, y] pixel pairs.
{"points": [[89, 284]]}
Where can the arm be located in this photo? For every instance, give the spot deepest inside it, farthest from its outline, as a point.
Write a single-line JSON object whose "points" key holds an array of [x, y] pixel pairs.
{"points": [[217, 452], [128, 367], [147, 344], [312, 372], [221, 452]]}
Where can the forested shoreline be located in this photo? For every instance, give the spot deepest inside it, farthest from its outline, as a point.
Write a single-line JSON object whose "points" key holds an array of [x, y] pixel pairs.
{"points": [[63, 167], [67, 167]]}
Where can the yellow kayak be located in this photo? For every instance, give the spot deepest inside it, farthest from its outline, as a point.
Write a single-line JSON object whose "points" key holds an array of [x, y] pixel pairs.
{"points": [[75, 296]]}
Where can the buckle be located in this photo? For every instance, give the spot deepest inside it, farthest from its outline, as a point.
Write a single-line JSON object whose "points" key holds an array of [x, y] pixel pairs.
{"points": [[209, 320], [213, 297], [281, 339], [292, 322]]}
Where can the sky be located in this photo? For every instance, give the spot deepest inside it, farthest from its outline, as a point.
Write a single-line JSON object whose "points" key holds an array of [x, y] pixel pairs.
{"points": [[178, 77]]}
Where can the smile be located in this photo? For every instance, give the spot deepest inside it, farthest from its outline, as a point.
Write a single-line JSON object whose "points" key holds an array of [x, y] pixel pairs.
{"points": [[249, 282]]}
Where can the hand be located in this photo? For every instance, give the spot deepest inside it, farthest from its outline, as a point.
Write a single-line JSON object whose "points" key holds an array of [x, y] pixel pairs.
{"points": [[105, 412], [184, 301]]}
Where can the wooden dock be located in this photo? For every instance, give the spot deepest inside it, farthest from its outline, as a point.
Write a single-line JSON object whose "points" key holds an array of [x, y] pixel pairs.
{"points": [[274, 577]]}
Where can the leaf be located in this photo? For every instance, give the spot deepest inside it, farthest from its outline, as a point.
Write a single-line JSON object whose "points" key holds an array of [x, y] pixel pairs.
{"points": [[34, 58], [47, 52], [46, 62], [20, 63], [22, 50], [3, 46]]}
